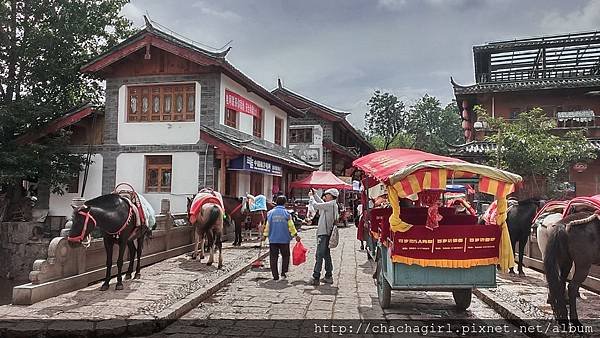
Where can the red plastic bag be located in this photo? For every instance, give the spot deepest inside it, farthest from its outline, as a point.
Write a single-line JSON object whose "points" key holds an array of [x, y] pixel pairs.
{"points": [[299, 253]]}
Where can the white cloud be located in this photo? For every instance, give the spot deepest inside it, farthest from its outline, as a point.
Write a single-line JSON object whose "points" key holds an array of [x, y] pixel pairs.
{"points": [[223, 14], [583, 18], [392, 4], [131, 12]]}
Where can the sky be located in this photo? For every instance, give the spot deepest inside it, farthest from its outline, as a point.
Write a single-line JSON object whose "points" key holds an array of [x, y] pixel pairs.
{"points": [[338, 52]]}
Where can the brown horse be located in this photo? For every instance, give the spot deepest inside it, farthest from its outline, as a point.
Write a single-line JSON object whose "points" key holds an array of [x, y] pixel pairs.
{"points": [[207, 219], [574, 239]]}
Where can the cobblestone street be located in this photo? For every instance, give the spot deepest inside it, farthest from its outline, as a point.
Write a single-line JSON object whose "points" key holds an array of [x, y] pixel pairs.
{"points": [[353, 296]]}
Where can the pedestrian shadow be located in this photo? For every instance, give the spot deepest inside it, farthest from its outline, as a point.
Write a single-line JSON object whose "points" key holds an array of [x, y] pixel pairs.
{"points": [[275, 284], [196, 265]]}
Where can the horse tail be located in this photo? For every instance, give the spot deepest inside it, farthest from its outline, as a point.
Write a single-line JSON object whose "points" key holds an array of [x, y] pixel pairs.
{"points": [[551, 263], [215, 213]]}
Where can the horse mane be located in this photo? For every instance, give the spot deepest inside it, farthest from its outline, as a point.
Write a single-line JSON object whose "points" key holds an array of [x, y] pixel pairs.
{"points": [[531, 200], [579, 218]]}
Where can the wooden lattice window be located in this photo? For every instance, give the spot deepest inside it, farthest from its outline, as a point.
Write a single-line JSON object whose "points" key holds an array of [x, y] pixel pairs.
{"points": [[159, 172], [161, 103], [231, 118], [301, 135], [257, 126], [278, 131]]}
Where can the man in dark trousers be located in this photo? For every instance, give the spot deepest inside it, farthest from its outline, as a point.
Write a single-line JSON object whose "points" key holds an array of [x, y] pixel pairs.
{"points": [[280, 229]]}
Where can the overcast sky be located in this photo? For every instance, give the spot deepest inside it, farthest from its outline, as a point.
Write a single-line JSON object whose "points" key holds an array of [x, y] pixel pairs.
{"points": [[339, 51]]}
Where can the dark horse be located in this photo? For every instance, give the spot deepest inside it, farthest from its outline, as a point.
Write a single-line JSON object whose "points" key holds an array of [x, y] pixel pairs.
{"points": [[238, 213], [113, 215], [519, 220], [574, 239], [208, 223]]}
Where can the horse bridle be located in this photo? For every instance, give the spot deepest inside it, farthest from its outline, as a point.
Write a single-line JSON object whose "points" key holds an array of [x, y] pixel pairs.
{"points": [[87, 216]]}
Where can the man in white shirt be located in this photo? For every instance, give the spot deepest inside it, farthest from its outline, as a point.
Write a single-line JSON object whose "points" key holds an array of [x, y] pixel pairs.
{"points": [[328, 211]]}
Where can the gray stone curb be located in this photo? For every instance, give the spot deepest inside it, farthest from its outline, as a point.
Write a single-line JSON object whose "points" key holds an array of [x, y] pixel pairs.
{"points": [[509, 312], [134, 326]]}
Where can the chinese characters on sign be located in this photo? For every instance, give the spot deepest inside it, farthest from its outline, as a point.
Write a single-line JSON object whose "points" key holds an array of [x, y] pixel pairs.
{"points": [[238, 103], [249, 163]]}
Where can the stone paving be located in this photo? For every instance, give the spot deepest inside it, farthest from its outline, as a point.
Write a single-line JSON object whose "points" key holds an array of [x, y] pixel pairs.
{"points": [[353, 296], [161, 285], [527, 297]]}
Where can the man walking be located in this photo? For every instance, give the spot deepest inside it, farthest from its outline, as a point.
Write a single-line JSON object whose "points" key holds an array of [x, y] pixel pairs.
{"points": [[328, 214], [280, 229]]}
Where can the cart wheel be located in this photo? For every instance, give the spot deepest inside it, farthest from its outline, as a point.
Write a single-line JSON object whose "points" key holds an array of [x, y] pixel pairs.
{"points": [[462, 298], [384, 290]]}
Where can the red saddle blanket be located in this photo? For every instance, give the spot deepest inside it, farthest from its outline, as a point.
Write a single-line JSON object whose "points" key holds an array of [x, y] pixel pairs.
{"points": [[199, 201]]}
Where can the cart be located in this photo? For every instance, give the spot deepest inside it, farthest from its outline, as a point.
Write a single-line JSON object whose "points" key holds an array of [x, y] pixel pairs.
{"points": [[429, 246]]}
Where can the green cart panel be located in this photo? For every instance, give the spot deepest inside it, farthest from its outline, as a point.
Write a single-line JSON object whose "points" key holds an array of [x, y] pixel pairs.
{"points": [[409, 277]]}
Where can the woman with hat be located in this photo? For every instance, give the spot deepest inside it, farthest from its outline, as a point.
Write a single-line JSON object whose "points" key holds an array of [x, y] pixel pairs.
{"points": [[328, 211]]}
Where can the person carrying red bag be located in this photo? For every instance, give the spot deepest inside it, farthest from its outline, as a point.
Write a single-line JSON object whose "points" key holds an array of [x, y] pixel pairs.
{"points": [[280, 229]]}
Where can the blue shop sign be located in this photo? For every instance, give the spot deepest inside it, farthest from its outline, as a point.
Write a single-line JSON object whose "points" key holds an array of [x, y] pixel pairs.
{"points": [[249, 163]]}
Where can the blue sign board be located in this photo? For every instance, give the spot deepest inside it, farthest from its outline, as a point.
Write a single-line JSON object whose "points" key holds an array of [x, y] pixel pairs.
{"points": [[249, 163]]}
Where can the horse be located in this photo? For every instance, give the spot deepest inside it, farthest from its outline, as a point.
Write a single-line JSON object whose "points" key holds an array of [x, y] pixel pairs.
{"points": [[115, 218], [519, 220], [233, 210], [574, 239], [206, 216], [254, 218]]}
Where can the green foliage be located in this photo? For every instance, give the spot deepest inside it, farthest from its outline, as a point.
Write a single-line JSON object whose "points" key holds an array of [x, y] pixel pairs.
{"points": [[432, 126], [527, 147], [42, 46], [385, 118], [425, 125]]}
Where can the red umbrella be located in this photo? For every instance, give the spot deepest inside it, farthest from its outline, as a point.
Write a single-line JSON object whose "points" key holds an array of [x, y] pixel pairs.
{"points": [[321, 180]]}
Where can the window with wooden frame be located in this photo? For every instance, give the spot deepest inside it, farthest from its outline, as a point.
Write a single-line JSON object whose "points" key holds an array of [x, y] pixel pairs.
{"points": [[256, 184], [159, 103], [231, 117], [301, 135], [73, 184], [257, 125], [158, 173], [278, 131]]}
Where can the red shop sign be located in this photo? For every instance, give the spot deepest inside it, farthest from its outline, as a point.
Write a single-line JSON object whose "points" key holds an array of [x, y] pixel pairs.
{"points": [[238, 103]]}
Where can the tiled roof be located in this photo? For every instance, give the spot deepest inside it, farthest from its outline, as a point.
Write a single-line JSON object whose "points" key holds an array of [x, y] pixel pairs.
{"points": [[552, 83], [253, 147], [216, 59], [350, 152]]}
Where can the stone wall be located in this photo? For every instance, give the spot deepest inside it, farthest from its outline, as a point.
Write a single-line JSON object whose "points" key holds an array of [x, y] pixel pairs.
{"points": [[21, 243]]}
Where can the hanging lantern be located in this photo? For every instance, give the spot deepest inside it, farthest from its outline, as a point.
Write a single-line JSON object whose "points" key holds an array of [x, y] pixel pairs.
{"points": [[465, 104], [465, 124], [465, 114], [580, 167]]}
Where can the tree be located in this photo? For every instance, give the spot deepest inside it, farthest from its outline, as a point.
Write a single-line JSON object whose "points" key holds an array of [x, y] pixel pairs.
{"points": [[42, 46], [433, 127], [526, 146], [385, 118]]}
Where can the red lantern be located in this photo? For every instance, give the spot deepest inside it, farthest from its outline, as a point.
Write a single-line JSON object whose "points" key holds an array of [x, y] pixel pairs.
{"points": [[465, 104], [465, 124], [580, 167], [465, 114]]}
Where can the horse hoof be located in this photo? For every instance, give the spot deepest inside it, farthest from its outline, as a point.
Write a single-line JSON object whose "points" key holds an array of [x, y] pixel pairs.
{"points": [[137, 276], [119, 287], [209, 263], [104, 287], [220, 266], [511, 271], [127, 276], [521, 274]]}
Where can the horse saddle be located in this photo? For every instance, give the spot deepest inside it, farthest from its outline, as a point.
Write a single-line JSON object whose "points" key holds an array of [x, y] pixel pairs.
{"points": [[134, 202], [203, 197]]}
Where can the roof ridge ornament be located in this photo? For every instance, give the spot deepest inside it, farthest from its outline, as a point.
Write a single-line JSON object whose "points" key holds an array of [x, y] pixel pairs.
{"points": [[148, 22]]}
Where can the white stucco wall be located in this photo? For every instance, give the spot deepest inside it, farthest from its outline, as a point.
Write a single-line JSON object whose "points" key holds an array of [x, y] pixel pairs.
{"points": [[135, 133], [60, 205], [245, 120], [184, 181]]}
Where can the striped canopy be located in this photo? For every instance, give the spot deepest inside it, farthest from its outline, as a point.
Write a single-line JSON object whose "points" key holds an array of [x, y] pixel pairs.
{"points": [[411, 171]]}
